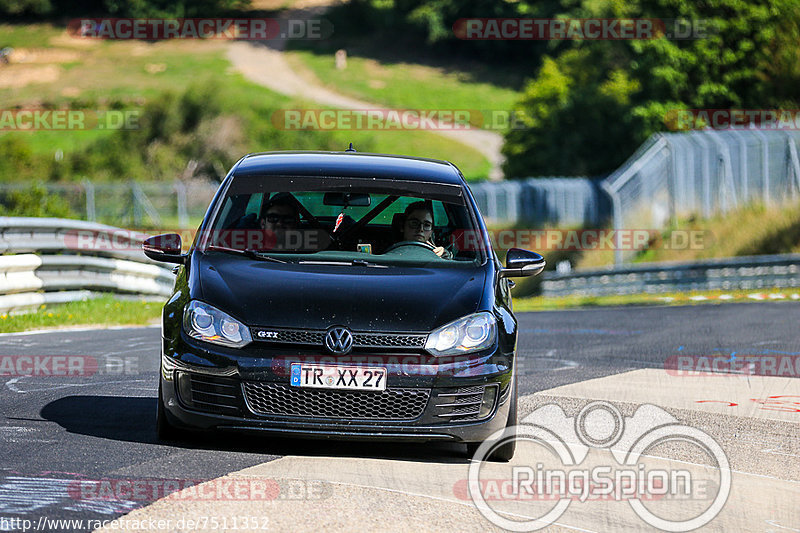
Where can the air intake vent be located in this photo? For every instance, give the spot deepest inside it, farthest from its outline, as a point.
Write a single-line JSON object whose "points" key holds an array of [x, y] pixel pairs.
{"points": [[276, 399], [209, 393]]}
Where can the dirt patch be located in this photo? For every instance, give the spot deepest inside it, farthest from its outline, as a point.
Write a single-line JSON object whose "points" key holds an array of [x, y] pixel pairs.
{"points": [[20, 76], [374, 69], [42, 55], [155, 68], [68, 41], [70, 92], [141, 49]]}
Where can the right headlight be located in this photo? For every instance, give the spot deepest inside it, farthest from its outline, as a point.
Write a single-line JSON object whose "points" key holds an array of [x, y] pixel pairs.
{"points": [[207, 323], [471, 333]]}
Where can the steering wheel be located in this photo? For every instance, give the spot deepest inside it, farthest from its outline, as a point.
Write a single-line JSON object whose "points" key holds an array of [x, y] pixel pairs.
{"points": [[396, 245]]}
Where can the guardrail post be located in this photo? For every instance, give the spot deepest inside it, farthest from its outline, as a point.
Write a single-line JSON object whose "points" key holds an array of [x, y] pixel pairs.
{"points": [[745, 190], [183, 216], [706, 175], [794, 164], [616, 210], [88, 189], [137, 209], [764, 163]]}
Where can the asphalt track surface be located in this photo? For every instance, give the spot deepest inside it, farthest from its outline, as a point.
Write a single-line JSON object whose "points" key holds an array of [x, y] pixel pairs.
{"points": [[58, 432]]}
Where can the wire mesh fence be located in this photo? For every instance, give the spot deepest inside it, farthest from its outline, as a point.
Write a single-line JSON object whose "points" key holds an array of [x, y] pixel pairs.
{"points": [[705, 173], [175, 204]]}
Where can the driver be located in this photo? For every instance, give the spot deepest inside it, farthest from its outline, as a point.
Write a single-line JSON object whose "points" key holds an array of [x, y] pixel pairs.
{"points": [[418, 226], [280, 213]]}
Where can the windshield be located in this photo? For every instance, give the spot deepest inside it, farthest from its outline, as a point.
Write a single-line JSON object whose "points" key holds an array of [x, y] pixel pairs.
{"points": [[344, 220]]}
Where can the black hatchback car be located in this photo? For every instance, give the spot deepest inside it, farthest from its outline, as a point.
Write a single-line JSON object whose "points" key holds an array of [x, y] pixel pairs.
{"points": [[341, 295]]}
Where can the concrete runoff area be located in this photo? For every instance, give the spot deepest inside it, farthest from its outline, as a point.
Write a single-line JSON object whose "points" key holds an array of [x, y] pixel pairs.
{"points": [[410, 495]]}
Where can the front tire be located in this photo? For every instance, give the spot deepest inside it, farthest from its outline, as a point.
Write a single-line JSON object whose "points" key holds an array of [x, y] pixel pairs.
{"points": [[165, 431]]}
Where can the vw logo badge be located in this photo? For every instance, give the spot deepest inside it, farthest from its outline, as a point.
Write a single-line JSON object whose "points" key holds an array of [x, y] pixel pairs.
{"points": [[338, 340]]}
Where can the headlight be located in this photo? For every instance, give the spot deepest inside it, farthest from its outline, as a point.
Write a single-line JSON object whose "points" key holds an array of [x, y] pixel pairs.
{"points": [[469, 334], [209, 324]]}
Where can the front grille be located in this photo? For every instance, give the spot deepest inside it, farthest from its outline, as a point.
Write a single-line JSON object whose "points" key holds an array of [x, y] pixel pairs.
{"points": [[361, 339], [209, 393], [368, 340], [276, 399], [461, 404], [295, 336]]}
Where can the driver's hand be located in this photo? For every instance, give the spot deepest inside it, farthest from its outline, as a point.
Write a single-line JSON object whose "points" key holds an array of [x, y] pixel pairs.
{"points": [[440, 251]]}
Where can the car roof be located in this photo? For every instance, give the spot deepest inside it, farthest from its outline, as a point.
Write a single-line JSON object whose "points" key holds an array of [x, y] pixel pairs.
{"points": [[348, 164]]}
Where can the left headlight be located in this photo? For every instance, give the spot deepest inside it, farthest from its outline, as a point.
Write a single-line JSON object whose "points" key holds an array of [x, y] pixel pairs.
{"points": [[472, 333], [207, 323]]}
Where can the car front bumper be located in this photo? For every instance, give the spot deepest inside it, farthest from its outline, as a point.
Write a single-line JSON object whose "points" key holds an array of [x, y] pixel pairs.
{"points": [[207, 387]]}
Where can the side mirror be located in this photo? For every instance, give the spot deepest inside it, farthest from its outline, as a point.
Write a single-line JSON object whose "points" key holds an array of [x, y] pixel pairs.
{"points": [[521, 262], [166, 248]]}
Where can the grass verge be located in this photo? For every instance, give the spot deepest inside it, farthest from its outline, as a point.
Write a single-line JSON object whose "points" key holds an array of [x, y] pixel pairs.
{"points": [[103, 311], [542, 303], [402, 85], [53, 70], [749, 230]]}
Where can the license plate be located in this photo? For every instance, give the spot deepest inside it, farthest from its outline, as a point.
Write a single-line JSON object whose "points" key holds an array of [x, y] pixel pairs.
{"points": [[338, 377]]}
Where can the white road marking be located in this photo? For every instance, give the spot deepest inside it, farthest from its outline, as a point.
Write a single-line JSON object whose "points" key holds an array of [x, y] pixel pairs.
{"points": [[448, 500], [92, 384], [11, 384], [75, 330], [774, 523], [568, 365], [773, 451]]}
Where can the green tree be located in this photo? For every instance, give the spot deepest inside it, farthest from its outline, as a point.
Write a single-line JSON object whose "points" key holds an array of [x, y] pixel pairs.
{"points": [[34, 201], [593, 103]]}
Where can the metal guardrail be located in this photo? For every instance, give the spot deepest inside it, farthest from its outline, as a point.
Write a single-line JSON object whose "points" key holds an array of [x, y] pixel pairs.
{"points": [[738, 273], [46, 261], [544, 200]]}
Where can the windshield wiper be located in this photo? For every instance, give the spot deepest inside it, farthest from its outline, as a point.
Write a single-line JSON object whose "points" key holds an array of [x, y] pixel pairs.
{"points": [[364, 262], [253, 254], [354, 262]]}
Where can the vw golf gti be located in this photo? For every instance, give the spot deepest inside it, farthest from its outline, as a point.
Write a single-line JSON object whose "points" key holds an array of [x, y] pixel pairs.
{"points": [[341, 295]]}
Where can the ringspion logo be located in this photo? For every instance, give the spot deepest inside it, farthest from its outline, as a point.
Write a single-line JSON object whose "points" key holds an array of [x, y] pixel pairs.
{"points": [[599, 454]]}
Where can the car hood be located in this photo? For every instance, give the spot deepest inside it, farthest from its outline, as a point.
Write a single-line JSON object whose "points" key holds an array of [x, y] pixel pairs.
{"points": [[361, 298]]}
